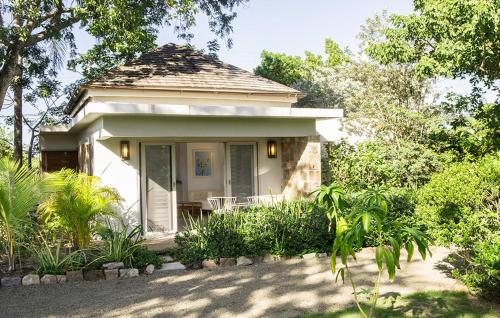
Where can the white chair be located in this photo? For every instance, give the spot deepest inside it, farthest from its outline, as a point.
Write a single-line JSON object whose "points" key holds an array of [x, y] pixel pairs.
{"points": [[222, 204]]}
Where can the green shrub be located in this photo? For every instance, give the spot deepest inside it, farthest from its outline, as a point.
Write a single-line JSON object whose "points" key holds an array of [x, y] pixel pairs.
{"points": [[143, 257], [288, 228], [460, 207], [378, 163]]}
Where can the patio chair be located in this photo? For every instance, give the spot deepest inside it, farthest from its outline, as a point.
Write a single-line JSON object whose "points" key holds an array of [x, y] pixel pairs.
{"points": [[222, 204]]}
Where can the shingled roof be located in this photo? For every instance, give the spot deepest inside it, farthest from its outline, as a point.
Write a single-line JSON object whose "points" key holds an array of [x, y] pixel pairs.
{"points": [[179, 67]]}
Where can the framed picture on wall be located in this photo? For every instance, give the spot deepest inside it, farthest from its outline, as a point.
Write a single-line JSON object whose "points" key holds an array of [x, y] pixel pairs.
{"points": [[202, 163]]}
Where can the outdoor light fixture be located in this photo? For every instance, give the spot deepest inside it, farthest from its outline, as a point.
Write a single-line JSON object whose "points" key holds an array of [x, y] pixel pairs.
{"points": [[125, 149], [272, 149]]}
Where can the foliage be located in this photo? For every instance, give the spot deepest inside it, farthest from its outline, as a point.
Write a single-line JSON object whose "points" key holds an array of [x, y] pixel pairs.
{"points": [[460, 207], [284, 228], [27, 24], [76, 207], [367, 216], [51, 259], [143, 257], [289, 70], [120, 245], [332, 198], [450, 38], [5, 145], [381, 163], [21, 189], [470, 127], [446, 304]]}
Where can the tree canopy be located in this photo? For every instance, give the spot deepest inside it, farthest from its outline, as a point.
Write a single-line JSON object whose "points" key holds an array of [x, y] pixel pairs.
{"points": [[123, 28], [452, 38]]}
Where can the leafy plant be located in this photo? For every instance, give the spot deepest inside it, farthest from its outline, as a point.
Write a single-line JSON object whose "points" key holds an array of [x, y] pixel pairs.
{"points": [[284, 228], [332, 197], [76, 207], [461, 207], [370, 215], [51, 260], [143, 257], [120, 245], [21, 189]]}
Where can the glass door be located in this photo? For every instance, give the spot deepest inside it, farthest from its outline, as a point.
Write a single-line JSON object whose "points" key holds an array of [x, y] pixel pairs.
{"points": [[158, 188], [241, 170]]}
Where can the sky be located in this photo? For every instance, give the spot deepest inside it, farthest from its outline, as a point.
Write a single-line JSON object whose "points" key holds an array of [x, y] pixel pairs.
{"points": [[284, 26], [287, 26]]}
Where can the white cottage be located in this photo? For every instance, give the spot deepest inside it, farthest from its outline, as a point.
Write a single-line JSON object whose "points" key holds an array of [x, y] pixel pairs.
{"points": [[175, 127]]}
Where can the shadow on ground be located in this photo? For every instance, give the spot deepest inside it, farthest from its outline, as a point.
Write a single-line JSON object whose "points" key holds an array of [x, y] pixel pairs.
{"points": [[282, 289]]}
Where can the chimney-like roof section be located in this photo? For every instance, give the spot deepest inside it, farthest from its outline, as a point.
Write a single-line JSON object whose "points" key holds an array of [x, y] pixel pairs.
{"points": [[179, 67]]}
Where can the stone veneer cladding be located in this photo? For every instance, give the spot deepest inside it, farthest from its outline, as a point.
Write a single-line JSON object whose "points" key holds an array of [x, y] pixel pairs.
{"points": [[301, 165]]}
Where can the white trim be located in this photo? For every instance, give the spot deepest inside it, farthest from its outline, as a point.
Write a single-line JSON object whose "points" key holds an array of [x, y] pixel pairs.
{"points": [[144, 205]]}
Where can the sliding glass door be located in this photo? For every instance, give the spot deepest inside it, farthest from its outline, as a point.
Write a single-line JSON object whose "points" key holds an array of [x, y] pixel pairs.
{"points": [[158, 188], [241, 170]]}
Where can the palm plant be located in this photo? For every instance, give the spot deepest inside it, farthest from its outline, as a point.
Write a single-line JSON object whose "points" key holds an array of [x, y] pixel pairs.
{"points": [[367, 216], [76, 207], [21, 189]]}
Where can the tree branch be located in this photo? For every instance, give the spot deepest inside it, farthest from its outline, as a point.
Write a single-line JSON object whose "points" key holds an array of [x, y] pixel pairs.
{"points": [[42, 35]]}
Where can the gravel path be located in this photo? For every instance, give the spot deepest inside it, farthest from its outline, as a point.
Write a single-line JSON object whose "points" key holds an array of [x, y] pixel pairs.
{"points": [[281, 289]]}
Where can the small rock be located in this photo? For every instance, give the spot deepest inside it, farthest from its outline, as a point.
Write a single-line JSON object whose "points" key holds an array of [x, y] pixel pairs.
{"points": [[167, 258], [172, 267], [321, 255], [208, 263], [94, 275], [227, 261], [258, 259], [268, 258], [74, 276], [129, 272], [195, 265], [48, 279], [110, 274], [243, 261], [10, 281], [61, 279], [309, 256], [150, 269], [31, 279], [113, 265]]}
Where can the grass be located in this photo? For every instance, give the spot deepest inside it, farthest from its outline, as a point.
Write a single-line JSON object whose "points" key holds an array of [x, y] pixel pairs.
{"points": [[428, 304]]}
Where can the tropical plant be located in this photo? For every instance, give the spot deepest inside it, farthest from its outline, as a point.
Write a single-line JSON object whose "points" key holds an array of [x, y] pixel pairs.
{"points": [[120, 245], [21, 189], [51, 260], [370, 215], [332, 197], [76, 207]]}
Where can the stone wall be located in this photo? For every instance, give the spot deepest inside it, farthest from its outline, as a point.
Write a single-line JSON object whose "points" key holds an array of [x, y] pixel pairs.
{"points": [[301, 165]]}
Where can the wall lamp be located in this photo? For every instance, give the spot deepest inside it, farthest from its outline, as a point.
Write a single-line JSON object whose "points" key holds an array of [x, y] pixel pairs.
{"points": [[125, 149], [272, 149]]}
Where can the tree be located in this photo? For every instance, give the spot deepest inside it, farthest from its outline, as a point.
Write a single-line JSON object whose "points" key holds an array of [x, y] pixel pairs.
{"points": [[123, 27], [288, 70], [454, 38]]}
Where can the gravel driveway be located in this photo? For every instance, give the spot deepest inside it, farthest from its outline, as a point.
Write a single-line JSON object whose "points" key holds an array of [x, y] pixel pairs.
{"points": [[280, 289]]}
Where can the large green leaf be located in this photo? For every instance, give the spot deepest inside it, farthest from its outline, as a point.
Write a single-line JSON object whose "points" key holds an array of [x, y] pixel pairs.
{"points": [[389, 261], [379, 254]]}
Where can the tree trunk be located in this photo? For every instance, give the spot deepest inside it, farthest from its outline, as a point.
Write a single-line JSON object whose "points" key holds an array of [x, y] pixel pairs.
{"points": [[30, 149], [8, 70], [18, 113]]}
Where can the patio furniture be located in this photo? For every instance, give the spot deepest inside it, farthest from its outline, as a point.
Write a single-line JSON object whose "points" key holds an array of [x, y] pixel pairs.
{"points": [[265, 200], [222, 204], [192, 207]]}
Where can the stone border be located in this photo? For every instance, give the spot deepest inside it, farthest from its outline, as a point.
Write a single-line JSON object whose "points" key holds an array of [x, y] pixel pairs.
{"points": [[110, 271], [117, 270]]}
